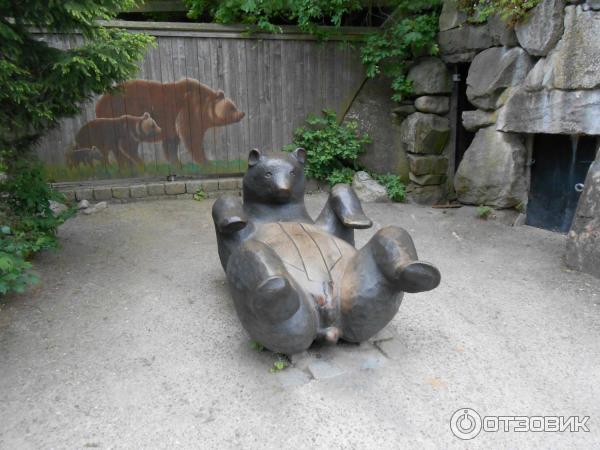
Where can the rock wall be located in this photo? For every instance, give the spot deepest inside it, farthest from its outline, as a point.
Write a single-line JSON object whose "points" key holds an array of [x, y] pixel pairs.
{"points": [[543, 76], [425, 130], [372, 110]]}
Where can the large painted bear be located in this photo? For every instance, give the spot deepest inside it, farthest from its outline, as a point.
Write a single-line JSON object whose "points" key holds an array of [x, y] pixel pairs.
{"points": [[184, 110]]}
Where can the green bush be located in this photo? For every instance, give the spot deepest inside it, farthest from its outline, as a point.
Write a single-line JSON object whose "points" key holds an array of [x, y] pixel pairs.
{"points": [[29, 224], [511, 11], [395, 188], [343, 175], [263, 15], [42, 84], [391, 50], [332, 149]]}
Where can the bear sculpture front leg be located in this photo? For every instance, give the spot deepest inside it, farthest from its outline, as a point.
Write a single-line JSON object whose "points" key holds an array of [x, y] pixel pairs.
{"points": [[342, 214]]}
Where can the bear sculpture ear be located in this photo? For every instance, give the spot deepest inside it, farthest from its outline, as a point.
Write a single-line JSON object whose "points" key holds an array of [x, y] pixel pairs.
{"points": [[220, 94], [254, 157], [300, 155]]}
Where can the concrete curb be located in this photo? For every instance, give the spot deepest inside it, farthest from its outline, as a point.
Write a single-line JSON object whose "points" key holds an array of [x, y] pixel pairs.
{"points": [[123, 192], [152, 190]]}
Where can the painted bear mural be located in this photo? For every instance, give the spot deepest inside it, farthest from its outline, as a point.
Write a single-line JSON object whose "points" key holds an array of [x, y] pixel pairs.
{"points": [[184, 110], [119, 136]]}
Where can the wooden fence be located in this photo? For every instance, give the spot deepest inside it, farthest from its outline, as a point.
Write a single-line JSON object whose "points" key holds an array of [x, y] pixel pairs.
{"points": [[274, 80]]}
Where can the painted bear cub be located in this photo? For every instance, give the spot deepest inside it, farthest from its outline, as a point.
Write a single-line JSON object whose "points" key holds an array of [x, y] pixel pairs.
{"points": [[120, 136]]}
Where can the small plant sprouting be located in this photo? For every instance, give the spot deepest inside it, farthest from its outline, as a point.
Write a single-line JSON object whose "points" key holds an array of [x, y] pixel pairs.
{"points": [[199, 195], [484, 212], [394, 186], [255, 345], [278, 366]]}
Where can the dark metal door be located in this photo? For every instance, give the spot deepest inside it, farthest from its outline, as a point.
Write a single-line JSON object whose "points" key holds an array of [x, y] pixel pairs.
{"points": [[463, 137], [559, 167]]}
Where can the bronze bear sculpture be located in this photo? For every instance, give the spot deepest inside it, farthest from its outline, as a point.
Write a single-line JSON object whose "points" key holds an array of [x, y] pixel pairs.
{"points": [[295, 280]]}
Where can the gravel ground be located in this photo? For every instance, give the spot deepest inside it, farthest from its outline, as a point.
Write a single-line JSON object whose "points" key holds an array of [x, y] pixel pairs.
{"points": [[131, 341]]}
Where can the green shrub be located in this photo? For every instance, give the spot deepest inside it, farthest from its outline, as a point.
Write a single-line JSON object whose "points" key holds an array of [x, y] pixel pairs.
{"points": [[332, 149], [263, 15], [391, 50], [343, 175], [29, 224], [511, 11], [15, 271], [396, 189], [42, 84]]}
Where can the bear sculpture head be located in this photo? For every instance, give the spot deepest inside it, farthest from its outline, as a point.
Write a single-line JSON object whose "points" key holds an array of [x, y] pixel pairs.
{"points": [[276, 177]]}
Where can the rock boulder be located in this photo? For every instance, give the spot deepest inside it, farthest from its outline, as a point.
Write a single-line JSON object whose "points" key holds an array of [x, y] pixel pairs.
{"points": [[433, 104], [427, 164], [543, 27], [430, 76], [367, 189], [492, 71], [551, 111], [424, 133], [461, 44], [492, 171], [575, 62], [451, 17], [474, 120], [583, 241]]}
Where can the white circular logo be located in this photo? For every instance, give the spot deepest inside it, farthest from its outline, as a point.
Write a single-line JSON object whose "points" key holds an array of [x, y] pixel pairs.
{"points": [[465, 423]]}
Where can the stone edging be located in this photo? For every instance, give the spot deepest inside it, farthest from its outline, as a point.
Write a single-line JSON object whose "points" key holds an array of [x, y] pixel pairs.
{"points": [[151, 190], [121, 192]]}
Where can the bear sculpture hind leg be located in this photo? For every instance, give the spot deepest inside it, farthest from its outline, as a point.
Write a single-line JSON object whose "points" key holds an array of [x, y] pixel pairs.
{"points": [[271, 307], [375, 280]]}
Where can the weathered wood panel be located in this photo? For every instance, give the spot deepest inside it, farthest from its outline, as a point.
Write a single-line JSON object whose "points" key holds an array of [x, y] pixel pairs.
{"points": [[275, 82]]}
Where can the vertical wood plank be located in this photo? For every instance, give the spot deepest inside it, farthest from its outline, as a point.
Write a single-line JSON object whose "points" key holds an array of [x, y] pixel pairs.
{"points": [[178, 62], [299, 94], [205, 76], [240, 98], [275, 87], [226, 86], [321, 77], [190, 51], [151, 71], [217, 134], [288, 61], [252, 85], [264, 92], [166, 76]]}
